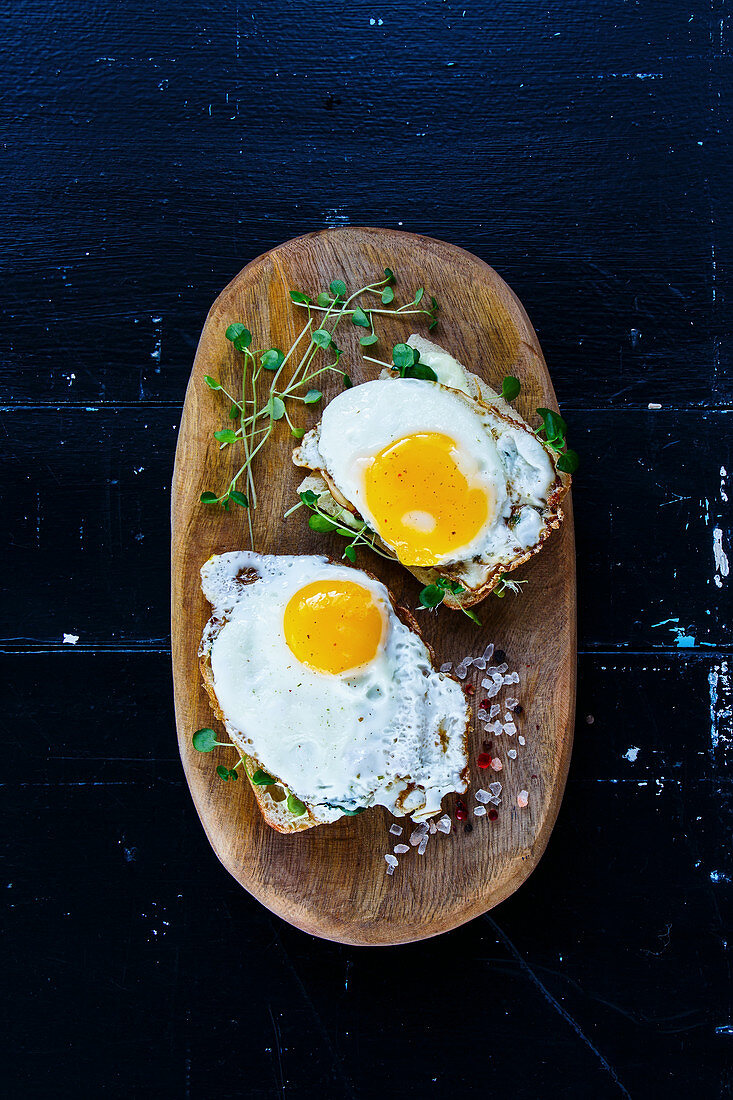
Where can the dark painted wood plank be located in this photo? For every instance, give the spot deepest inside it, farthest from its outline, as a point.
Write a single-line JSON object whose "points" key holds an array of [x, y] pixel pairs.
{"points": [[181, 983], [173, 143], [87, 508]]}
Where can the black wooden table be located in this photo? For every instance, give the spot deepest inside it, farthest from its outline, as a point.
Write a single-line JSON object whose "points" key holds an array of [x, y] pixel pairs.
{"points": [[151, 149]]}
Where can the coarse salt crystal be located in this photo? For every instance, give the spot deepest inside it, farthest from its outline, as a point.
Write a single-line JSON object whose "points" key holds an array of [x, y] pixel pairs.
{"points": [[495, 788], [392, 861], [508, 717], [512, 678], [423, 845], [479, 811], [461, 672], [446, 667], [482, 796], [498, 678], [489, 652], [479, 662], [521, 740], [401, 848], [493, 690], [433, 828], [510, 703], [496, 764], [396, 830], [512, 754], [510, 729], [502, 667], [390, 869], [495, 708], [523, 798], [417, 834], [444, 824]]}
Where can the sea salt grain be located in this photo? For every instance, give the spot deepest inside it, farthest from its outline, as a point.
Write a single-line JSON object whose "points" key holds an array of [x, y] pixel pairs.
{"points": [[461, 671], [503, 667], [446, 667], [479, 662], [479, 811], [510, 729], [495, 708], [423, 845], [482, 796], [522, 799], [390, 869], [396, 830], [521, 740], [391, 860], [489, 652], [512, 678], [512, 754], [444, 824], [433, 828], [511, 703], [496, 764], [495, 789], [417, 834], [401, 848]]}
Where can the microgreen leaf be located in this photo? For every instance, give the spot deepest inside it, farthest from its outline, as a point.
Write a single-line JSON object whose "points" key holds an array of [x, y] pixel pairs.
{"points": [[239, 335], [301, 299], [350, 553], [208, 498], [239, 498], [510, 387], [403, 356], [389, 274], [387, 295], [222, 772], [321, 337], [295, 806], [431, 596], [471, 615], [211, 382], [324, 300], [350, 813], [204, 740], [312, 397], [360, 318], [308, 497], [420, 370], [338, 288], [272, 359], [321, 524], [275, 407], [235, 412], [554, 425], [432, 324], [418, 295], [568, 462], [372, 338], [262, 779], [347, 382], [226, 435], [298, 432]]}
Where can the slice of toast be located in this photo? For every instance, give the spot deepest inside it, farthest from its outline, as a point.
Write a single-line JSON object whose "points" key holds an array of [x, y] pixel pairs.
{"points": [[478, 577], [272, 799]]}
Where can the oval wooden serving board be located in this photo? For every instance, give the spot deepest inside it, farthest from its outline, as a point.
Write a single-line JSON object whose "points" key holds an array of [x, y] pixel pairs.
{"points": [[331, 880]]}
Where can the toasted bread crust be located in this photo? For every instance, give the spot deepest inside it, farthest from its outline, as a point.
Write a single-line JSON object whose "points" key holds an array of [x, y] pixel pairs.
{"points": [[274, 810]]}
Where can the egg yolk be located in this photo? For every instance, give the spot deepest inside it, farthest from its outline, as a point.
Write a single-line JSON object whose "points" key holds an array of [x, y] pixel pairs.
{"points": [[333, 625], [421, 501]]}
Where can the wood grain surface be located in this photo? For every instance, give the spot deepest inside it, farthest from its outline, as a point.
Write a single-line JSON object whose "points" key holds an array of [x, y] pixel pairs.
{"points": [[331, 880]]}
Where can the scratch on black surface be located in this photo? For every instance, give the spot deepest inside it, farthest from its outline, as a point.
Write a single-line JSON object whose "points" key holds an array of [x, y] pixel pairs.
{"points": [[276, 1029], [337, 1061], [555, 1004]]}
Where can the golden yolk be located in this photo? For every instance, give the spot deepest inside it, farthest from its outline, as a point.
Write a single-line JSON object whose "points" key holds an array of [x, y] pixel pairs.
{"points": [[333, 625], [421, 501]]}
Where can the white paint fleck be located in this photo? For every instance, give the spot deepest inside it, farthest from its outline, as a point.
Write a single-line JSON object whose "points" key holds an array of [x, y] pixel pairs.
{"points": [[653, 405], [158, 347], [71, 639], [721, 735], [722, 568], [631, 754], [723, 487], [719, 876]]}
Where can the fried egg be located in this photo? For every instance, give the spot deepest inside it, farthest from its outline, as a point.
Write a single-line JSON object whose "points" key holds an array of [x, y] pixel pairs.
{"points": [[439, 476], [319, 679]]}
